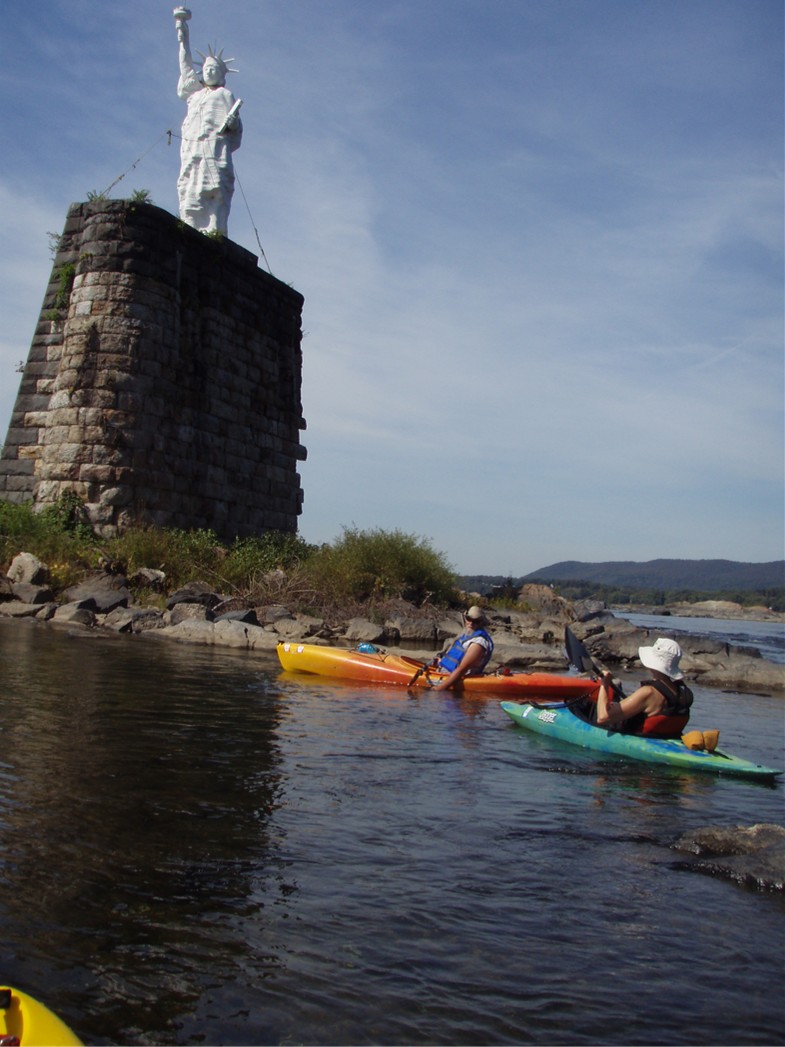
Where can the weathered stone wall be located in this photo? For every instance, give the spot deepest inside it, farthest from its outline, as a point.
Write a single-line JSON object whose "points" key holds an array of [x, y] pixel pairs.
{"points": [[163, 383]]}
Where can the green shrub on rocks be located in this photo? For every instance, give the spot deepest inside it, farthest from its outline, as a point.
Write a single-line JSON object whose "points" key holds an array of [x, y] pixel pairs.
{"points": [[59, 533], [199, 554], [249, 560], [378, 564], [361, 567], [184, 556]]}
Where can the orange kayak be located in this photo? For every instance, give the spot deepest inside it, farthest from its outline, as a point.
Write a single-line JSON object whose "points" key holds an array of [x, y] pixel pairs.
{"points": [[377, 666]]}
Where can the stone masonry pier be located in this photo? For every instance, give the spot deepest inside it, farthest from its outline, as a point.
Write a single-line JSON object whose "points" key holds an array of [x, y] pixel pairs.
{"points": [[163, 384]]}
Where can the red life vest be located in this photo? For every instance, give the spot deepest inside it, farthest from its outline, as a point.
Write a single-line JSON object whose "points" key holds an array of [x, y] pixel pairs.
{"points": [[674, 717], [661, 726]]}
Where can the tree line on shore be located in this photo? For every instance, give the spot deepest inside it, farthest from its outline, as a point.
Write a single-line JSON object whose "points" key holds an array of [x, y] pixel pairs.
{"points": [[498, 588]]}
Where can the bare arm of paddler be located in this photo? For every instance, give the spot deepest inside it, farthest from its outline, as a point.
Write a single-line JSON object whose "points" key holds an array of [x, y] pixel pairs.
{"points": [[645, 700], [474, 655]]}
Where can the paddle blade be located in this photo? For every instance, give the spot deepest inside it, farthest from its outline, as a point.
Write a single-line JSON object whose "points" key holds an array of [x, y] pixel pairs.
{"points": [[582, 660], [577, 654]]}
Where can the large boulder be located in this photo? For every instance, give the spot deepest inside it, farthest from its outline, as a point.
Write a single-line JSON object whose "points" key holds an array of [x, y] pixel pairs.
{"points": [[29, 593], [705, 660], [716, 609], [360, 630], [530, 657], [148, 578], [272, 613], [133, 619], [589, 610], [190, 612], [219, 634], [246, 615], [196, 593], [227, 633], [302, 627], [410, 632], [74, 614], [542, 600], [18, 609], [100, 593], [28, 568], [189, 630]]}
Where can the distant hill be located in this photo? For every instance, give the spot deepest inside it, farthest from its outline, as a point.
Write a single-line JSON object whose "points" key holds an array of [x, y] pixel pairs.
{"points": [[701, 575]]}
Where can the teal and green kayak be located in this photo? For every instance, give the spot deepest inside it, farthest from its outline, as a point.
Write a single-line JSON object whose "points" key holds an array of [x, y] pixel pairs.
{"points": [[557, 720]]}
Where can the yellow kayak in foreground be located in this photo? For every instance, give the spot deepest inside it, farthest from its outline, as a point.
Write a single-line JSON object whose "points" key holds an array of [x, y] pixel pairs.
{"points": [[24, 1022]]}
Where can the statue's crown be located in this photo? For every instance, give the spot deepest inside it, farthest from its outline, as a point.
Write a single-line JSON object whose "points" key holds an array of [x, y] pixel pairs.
{"points": [[218, 57]]}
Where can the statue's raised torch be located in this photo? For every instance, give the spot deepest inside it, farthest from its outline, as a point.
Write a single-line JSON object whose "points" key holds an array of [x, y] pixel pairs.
{"points": [[181, 16]]}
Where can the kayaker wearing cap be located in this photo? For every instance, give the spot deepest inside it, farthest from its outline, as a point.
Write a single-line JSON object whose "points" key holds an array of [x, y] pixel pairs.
{"points": [[469, 654], [660, 706]]}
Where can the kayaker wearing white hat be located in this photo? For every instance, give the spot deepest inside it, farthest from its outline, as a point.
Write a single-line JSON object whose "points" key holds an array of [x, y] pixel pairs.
{"points": [[660, 706], [469, 654]]}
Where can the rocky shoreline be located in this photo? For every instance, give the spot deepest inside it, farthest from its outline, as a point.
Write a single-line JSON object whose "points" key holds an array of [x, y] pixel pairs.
{"points": [[709, 662], [530, 639]]}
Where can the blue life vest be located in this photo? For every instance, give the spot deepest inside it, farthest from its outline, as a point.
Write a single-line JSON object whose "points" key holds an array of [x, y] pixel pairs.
{"points": [[452, 658]]}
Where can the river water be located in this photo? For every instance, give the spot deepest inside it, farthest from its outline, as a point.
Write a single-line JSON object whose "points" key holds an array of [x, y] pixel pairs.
{"points": [[199, 849], [768, 637]]}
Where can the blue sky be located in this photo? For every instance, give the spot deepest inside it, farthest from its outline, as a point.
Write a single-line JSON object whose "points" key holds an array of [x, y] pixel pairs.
{"points": [[540, 244]]}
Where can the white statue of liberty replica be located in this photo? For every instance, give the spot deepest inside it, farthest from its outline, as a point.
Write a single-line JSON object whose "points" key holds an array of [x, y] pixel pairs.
{"points": [[211, 132]]}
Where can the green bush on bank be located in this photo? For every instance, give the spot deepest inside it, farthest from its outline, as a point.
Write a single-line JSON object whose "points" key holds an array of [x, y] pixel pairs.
{"points": [[360, 567], [241, 568], [57, 533], [382, 565]]}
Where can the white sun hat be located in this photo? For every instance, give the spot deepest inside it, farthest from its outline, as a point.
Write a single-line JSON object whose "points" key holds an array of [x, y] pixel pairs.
{"points": [[663, 656]]}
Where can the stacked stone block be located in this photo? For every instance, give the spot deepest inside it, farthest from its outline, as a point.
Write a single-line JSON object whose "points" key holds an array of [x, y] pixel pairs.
{"points": [[163, 384]]}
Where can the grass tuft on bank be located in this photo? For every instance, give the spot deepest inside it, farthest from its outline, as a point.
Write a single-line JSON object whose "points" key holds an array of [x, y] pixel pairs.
{"points": [[362, 568]]}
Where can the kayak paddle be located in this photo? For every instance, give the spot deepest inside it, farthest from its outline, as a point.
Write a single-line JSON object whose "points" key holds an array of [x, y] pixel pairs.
{"points": [[580, 658]]}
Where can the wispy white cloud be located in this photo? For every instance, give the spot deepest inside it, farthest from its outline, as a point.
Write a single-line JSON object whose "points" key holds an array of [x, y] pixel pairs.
{"points": [[540, 247]]}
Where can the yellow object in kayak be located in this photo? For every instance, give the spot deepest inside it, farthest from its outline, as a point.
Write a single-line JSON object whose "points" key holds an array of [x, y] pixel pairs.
{"points": [[24, 1022]]}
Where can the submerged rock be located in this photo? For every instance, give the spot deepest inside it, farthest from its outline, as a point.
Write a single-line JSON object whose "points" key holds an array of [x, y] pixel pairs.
{"points": [[750, 855]]}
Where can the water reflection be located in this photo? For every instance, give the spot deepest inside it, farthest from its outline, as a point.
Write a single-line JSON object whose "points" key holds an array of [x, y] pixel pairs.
{"points": [[194, 849], [151, 806]]}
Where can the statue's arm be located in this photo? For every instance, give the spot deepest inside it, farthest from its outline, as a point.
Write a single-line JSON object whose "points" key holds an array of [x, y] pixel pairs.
{"points": [[189, 78], [233, 122], [235, 135]]}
